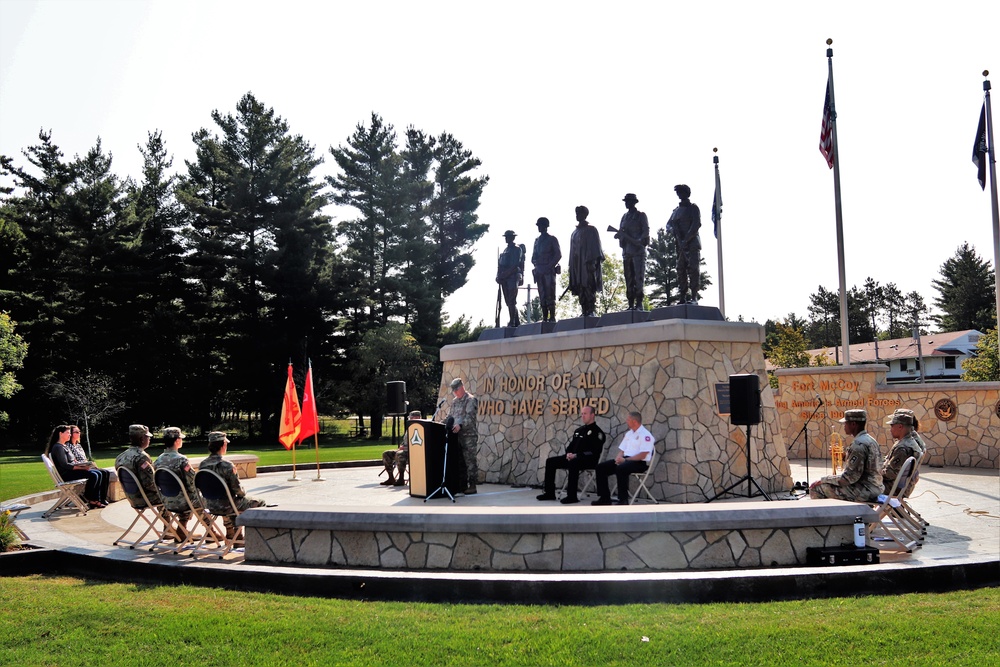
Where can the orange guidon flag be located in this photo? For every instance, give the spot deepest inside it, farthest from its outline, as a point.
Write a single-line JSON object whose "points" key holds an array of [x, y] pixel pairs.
{"points": [[291, 415], [310, 416]]}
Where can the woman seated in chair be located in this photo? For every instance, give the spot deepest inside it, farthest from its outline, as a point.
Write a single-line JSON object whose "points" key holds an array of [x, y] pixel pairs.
{"points": [[61, 459], [79, 457]]}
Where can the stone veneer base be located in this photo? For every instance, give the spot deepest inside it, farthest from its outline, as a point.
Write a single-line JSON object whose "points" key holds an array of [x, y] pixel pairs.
{"points": [[576, 539]]}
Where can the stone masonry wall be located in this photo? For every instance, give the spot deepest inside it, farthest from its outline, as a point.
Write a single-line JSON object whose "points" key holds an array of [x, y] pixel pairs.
{"points": [[551, 552], [960, 422], [531, 390]]}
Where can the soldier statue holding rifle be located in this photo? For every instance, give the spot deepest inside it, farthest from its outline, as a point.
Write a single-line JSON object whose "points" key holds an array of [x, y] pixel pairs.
{"points": [[510, 274]]}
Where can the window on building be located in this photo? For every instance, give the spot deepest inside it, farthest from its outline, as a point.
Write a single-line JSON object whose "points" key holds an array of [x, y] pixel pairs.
{"points": [[949, 363], [916, 364], [902, 364]]}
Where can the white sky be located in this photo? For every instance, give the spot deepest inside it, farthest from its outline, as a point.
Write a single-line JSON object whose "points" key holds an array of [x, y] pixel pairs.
{"points": [[568, 104]]}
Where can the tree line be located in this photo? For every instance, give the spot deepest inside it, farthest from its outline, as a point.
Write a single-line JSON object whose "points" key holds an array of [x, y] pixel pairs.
{"points": [[182, 296], [965, 300]]}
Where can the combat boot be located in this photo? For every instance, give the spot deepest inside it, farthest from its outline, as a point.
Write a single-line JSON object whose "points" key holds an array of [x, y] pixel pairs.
{"points": [[401, 477], [390, 481]]}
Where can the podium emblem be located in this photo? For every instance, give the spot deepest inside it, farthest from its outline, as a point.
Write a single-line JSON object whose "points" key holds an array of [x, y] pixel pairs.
{"points": [[415, 439]]}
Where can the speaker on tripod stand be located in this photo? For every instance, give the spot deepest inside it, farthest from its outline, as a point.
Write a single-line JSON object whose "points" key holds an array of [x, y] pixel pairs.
{"points": [[744, 410]]}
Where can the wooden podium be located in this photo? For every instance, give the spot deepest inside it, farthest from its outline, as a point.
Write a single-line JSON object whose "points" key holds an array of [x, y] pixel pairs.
{"points": [[426, 441]]}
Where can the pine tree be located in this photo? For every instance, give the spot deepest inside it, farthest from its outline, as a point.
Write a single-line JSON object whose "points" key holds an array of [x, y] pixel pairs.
{"points": [[261, 245], [967, 292], [661, 272]]}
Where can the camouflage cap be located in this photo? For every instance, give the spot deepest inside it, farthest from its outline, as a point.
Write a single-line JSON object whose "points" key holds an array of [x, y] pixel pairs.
{"points": [[139, 429], [217, 436], [854, 416], [456, 383], [900, 418], [173, 433]]}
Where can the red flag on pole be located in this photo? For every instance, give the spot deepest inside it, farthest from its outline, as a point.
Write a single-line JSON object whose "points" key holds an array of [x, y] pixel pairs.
{"points": [[310, 418], [826, 132], [291, 415]]}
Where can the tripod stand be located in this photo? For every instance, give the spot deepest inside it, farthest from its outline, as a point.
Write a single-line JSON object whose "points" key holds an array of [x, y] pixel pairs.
{"points": [[444, 472], [805, 436], [748, 478]]}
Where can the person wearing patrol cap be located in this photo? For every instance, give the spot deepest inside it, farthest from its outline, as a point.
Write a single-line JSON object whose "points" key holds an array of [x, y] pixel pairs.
{"points": [[861, 481], [633, 237], [137, 460], [171, 459], [545, 256], [904, 446], [510, 274], [464, 410], [914, 431], [218, 444]]}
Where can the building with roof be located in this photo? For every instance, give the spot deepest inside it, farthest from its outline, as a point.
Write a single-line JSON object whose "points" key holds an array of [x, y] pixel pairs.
{"points": [[940, 354]]}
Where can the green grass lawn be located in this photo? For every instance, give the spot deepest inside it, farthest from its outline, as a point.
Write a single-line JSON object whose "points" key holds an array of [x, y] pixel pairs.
{"points": [[59, 620], [21, 473]]}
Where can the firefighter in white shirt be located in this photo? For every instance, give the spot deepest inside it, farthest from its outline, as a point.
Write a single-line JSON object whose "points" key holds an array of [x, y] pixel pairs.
{"points": [[633, 456]]}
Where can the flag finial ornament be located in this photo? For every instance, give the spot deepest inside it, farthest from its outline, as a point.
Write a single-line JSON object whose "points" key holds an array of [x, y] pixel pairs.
{"points": [[715, 150], [829, 42], [986, 72]]}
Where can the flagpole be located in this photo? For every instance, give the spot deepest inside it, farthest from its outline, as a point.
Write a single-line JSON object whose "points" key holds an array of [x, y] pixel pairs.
{"points": [[993, 192], [717, 210], [844, 329]]}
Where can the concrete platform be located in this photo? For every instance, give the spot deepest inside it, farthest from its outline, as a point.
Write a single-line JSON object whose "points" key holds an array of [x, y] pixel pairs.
{"points": [[962, 550]]}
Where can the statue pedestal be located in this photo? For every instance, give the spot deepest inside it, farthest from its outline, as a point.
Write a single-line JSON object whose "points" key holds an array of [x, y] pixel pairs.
{"points": [[531, 389]]}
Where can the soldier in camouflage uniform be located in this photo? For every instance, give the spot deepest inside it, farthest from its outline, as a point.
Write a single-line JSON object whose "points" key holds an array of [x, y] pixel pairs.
{"points": [[171, 459], [904, 446], [218, 444], [137, 460], [861, 480], [921, 445], [399, 457], [464, 410]]}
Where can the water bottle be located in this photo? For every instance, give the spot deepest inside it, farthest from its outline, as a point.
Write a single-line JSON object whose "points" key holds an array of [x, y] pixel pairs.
{"points": [[860, 537]]}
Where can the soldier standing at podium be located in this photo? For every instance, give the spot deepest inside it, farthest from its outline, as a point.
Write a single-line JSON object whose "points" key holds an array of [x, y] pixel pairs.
{"points": [[464, 410]]}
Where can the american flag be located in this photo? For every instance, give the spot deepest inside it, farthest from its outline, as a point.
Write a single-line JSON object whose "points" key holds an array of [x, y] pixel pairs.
{"points": [[826, 132]]}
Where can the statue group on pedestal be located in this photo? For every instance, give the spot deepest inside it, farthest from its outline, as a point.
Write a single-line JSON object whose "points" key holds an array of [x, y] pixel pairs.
{"points": [[586, 257]]}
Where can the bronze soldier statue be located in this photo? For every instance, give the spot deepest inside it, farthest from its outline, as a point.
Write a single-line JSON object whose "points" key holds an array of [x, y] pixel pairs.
{"points": [[585, 259], [545, 258], [633, 237], [684, 224], [510, 274]]}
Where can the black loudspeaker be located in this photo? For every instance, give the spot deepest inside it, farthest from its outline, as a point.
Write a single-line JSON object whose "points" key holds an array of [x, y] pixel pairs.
{"points": [[395, 398], [744, 399]]}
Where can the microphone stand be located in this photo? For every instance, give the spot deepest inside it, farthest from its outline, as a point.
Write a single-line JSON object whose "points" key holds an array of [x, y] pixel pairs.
{"points": [[805, 435]]}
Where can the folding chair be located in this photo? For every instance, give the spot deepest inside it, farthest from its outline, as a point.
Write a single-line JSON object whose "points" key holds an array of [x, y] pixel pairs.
{"points": [[643, 476], [905, 508], [15, 509], [170, 486], [214, 489], [70, 493], [891, 531], [132, 487]]}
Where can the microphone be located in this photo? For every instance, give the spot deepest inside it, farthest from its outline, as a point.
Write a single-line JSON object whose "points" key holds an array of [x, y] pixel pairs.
{"points": [[441, 403], [818, 398]]}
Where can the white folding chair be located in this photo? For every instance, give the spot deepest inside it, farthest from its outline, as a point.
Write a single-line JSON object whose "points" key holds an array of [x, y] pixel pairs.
{"points": [[70, 493], [891, 531], [130, 483], [214, 488], [171, 486], [642, 477]]}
